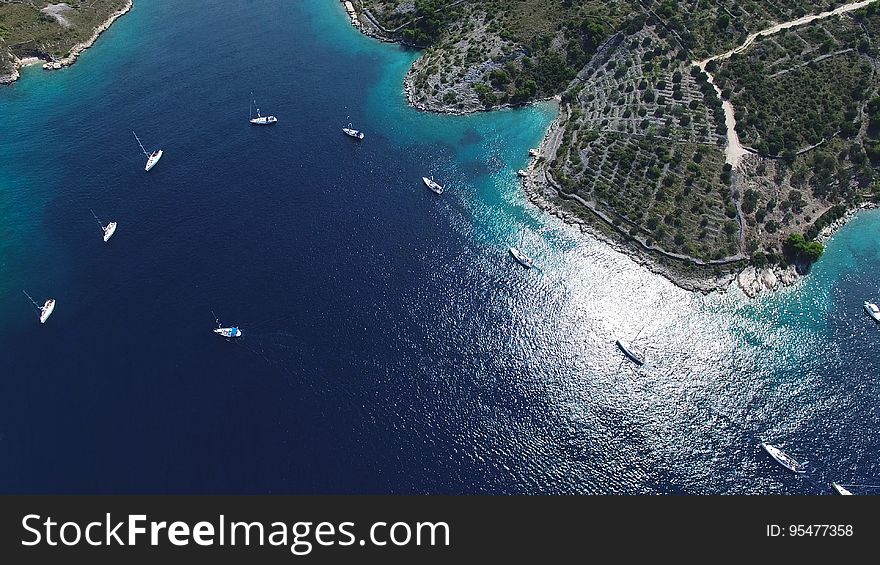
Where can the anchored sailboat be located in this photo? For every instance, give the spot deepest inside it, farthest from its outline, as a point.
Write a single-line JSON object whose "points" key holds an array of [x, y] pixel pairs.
{"points": [[782, 457], [841, 490], [45, 310], [259, 120], [521, 257], [627, 349], [226, 332], [108, 230], [351, 132], [434, 186], [152, 158]]}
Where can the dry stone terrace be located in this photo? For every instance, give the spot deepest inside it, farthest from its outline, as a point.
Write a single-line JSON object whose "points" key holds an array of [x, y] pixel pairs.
{"points": [[641, 145], [638, 149]]}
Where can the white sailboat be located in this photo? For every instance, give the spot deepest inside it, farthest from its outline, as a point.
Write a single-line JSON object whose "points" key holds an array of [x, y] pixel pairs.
{"points": [[45, 310], [841, 490], [434, 186], [230, 332], [108, 230], [873, 310], [781, 457], [521, 257], [152, 158], [259, 120], [351, 132], [627, 349]]}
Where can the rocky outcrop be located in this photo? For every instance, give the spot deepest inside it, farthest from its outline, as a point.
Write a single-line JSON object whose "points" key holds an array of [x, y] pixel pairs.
{"points": [[77, 49], [754, 281]]}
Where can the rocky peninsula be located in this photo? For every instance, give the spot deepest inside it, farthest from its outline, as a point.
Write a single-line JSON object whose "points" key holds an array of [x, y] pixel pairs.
{"points": [[54, 34], [679, 137]]}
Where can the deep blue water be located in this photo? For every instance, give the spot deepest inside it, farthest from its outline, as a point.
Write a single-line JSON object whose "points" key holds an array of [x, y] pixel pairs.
{"points": [[390, 343]]}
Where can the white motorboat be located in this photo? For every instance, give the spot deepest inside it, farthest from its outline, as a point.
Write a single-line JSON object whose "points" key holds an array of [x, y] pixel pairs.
{"points": [[351, 132], [781, 457], [434, 186], [632, 354], [152, 158], [260, 120], [233, 331], [228, 332], [873, 311], [841, 490]]}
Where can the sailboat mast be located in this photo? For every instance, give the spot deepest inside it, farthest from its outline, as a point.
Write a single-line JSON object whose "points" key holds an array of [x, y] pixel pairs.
{"points": [[100, 223], [34, 302], [141, 144]]}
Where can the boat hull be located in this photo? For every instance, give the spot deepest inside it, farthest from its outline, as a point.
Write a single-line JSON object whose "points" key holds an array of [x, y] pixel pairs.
{"points": [[521, 258], [109, 231], [875, 314], [435, 188], [353, 133], [228, 332], [153, 159], [264, 121], [841, 490], [781, 457], [624, 346], [47, 310]]}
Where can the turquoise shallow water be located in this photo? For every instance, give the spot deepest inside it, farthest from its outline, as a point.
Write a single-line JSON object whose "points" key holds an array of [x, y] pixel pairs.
{"points": [[390, 345]]}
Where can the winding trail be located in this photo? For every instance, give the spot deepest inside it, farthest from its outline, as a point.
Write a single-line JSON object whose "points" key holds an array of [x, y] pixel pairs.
{"points": [[734, 150]]}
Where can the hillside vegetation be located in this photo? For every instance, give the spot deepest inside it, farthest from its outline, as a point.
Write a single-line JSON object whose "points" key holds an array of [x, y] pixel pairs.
{"points": [[27, 31]]}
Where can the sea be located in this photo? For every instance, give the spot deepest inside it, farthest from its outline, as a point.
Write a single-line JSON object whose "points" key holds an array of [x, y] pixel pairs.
{"points": [[390, 343]]}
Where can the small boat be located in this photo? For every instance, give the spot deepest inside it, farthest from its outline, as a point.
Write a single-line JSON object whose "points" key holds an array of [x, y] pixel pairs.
{"points": [[521, 257], [351, 132], [47, 310], [260, 120], [841, 490], [228, 332], [152, 158], [430, 183], [781, 457], [873, 311], [625, 347], [108, 230]]}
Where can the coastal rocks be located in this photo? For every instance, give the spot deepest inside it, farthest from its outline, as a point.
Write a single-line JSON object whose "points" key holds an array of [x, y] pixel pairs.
{"points": [[749, 283], [352, 13], [17, 64], [77, 49], [789, 276], [10, 77], [832, 228], [753, 281]]}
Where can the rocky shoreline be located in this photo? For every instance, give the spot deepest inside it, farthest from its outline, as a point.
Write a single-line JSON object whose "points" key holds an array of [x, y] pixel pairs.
{"points": [[534, 183], [754, 281], [74, 52], [751, 280]]}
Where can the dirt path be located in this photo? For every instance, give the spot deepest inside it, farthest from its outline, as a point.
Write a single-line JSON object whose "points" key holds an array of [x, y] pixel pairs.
{"points": [[734, 150]]}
